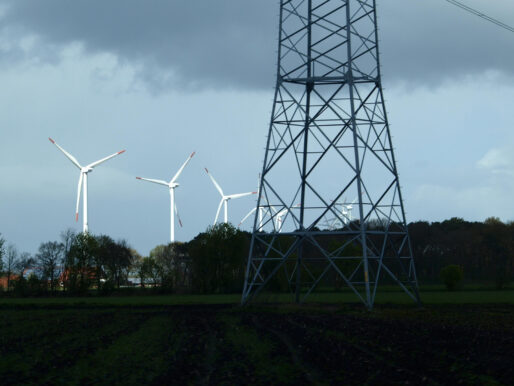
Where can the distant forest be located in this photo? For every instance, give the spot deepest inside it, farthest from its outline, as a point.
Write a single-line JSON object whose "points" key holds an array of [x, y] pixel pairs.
{"points": [[485, 250], [215, 260]]}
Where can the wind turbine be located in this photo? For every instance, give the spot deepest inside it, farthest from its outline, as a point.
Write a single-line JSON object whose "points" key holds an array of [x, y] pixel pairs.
{"points": [[333, 223], [280, 215], [225, 198], [347, 211], [262, 212], [278, 219], [84, 170], [171, 186], [261, 209]]}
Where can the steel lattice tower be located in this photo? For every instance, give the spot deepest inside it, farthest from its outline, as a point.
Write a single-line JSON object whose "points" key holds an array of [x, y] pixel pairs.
{"points": [[329, 152]]}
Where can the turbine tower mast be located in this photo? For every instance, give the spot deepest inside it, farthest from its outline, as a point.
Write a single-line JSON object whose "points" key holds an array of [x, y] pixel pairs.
{"points": [[329, 138]]}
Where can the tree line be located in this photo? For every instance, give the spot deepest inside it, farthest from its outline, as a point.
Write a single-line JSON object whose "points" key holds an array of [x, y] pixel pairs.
{"points": [[215, 260], [483, 250], [74, 264]]}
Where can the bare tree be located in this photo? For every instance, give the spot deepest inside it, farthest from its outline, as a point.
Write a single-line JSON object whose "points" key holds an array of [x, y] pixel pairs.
{"points": [[67, 236], [11, 260], [24, 262], [49, 257], [2, 252]]}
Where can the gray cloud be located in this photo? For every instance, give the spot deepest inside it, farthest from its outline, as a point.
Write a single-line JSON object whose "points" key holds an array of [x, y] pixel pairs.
{"points": [[232, 43], [432, 41], [217, 43]]}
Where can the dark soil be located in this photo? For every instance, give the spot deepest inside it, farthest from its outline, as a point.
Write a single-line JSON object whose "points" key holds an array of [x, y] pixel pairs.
{"points": [[472, 344]]}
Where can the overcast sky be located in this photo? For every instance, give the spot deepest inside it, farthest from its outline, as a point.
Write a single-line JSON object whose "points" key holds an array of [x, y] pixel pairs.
{"points": [[164, 78]]}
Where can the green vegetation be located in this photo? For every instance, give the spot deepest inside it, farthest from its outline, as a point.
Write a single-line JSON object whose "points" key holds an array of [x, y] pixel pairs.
{"points": [[72, 314], [452, 276], [222, 344], [485, 250], [214, 262], [430, 295]]}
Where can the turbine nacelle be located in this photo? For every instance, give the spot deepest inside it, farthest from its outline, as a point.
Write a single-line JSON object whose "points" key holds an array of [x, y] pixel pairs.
{"points": [[172, 184]]}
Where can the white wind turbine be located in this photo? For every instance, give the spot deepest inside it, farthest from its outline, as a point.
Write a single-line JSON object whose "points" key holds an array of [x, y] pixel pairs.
{"points": [[171, 186], [347, 211], [279, 217], [225, 198], [262, 209], [249, 214], [84, 170], [346, 215], [335, 222]]}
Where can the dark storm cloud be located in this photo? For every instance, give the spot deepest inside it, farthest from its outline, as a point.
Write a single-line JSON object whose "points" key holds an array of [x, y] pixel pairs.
{"points": [[431, 41], [232, 43], [221, 43]]}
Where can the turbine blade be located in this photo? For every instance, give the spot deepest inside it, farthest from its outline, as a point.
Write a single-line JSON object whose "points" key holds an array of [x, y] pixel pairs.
{"points": [[78, 196], [182, 168], [248, 215], [160, 182], [215, 183], [218, 211], [68, 155], [283, 212], [232, 196], [92, 165], [178, 216]]}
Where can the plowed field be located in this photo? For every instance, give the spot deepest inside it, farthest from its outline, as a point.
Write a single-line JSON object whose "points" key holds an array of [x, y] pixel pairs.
{"points": [[315, 344]]}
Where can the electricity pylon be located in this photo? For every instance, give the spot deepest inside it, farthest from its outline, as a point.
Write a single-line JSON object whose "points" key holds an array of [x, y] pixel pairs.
{"points": [[328, 139]]}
